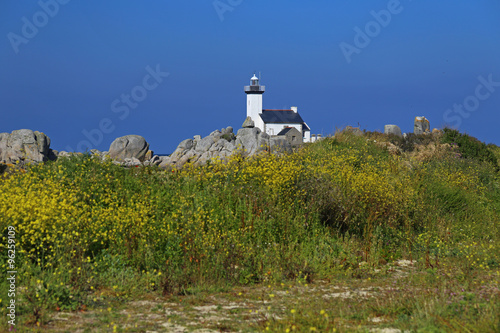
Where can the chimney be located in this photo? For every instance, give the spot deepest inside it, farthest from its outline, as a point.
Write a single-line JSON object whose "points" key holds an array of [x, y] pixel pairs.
{"points": [[294, 109]]}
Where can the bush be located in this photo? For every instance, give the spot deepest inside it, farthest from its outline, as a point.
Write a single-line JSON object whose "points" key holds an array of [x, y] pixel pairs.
{"points": [[228, 136], [469, 147]]}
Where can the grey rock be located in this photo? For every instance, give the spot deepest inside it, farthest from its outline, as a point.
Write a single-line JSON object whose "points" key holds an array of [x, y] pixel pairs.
{"points": [[24, 146], [131, 162], [393, 129], [248, 131], [263, 142], [205, 144], [218, 146], [105, 156], [247, 140], [215, 133], [229, 146], [149, 155], [421, 126], [177, 154], [43, 143], [129, 146], [164, 161], [182, 149], [205, 157], [3, 145], [186, 144], [354, 130], [63, 153], [248, 123], [222, 144], [155, 160], [190, 157], [264, 135]]}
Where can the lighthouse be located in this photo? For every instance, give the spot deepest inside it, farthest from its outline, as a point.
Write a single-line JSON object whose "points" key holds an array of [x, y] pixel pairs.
{"points": [[254, 101]]}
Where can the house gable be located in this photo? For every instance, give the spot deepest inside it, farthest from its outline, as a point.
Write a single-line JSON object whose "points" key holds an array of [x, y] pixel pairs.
{"points": [[292, 135]]}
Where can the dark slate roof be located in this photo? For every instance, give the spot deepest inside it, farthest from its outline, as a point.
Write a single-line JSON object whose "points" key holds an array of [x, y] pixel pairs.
{"points": [[285, 130], [283, 117]]}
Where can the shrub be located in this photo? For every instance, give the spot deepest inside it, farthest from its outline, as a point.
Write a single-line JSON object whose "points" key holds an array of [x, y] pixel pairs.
{"points": [[228, 136], [470, 147]]}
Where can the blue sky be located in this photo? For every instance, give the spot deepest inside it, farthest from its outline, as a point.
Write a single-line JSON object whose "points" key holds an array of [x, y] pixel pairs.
{"points": [[67, 66]]}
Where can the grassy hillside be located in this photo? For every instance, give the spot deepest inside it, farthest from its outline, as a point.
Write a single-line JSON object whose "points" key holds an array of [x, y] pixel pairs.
{"points": [[92, 235]]}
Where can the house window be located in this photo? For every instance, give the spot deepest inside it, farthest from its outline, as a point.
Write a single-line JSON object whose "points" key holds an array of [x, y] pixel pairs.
{"points": [[294, 138]]}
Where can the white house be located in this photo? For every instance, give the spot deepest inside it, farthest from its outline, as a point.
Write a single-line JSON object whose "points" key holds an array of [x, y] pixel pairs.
{"points": [[270, 121]]}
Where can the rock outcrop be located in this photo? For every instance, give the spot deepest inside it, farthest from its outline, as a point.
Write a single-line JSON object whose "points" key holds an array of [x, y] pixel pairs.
{"points": [[252, 140], [222, 144], [354, 130], [129, 146], [25, 146], [248, 123], [393, 129], [422, 126]]}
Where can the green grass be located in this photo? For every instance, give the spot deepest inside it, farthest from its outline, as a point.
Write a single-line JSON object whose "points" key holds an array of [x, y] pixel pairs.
{"points": [[315, 240]]}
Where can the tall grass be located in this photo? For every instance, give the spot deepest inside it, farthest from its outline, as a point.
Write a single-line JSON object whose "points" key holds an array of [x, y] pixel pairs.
{"points": [[86, 227]]}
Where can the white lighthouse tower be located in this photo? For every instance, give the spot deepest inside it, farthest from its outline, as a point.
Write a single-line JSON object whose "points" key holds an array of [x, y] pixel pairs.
{"points": [[254, 101]]}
